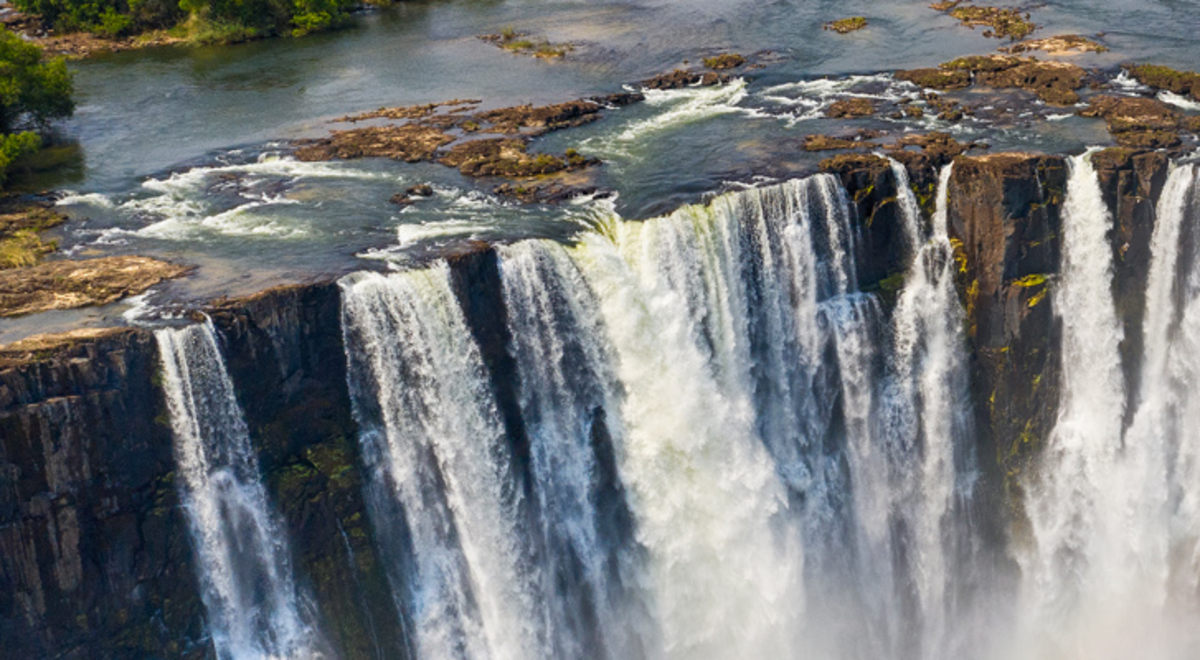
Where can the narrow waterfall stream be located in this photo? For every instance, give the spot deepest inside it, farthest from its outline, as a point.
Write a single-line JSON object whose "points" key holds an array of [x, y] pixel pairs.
{"points": [[249, 592]]}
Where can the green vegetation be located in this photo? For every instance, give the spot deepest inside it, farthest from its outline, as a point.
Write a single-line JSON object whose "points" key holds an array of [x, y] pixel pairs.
{"points": [[1000, 22], [847, 25], [724, 61], [33, 93], [519, 42], [198, 21]]}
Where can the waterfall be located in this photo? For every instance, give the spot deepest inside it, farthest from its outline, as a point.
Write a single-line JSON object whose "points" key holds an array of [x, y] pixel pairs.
{"points": [[1074, 502], [432, 436], [732, 451], [913, 468], [570, 401], [254, 611]]}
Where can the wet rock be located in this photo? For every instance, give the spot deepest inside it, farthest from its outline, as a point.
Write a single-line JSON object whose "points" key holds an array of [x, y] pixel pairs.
{"points": [[873, 197], [410, 143], [536, 120], [683, 78], [519, 42], [1005, 221], [506, 157], [95, 560], [551, 192], [940, 79], [419, 190], [619, 99], [1132, 182], [68, 284], [1056, 83], [852, 107], [412, 111], [1137, 122], [924, 155], [1001, 23], [846, 25], [1063, 44], [724, 61], [861, 140], [1184, 83]]}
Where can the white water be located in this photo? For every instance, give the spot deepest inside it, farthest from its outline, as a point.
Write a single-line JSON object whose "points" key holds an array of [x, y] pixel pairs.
{"points": [[715, 417], [436, 440], [1081, 574], [254, 611]]}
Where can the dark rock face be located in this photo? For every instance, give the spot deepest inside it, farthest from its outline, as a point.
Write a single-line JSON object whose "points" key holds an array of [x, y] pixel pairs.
{"points": [[1132, 183], [95, 560], [284, 352], [883, 252], [1005, 214]]}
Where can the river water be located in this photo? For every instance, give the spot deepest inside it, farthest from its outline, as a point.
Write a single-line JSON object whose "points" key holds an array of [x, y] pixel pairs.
{"points": [[182, 147]]}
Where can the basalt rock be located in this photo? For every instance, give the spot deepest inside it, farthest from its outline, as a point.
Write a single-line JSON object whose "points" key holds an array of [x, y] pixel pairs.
{"points": [[94, 554], [284, 352], [1063, 44], [1132, 182], [684, 78], [874, 200], [506, 157], [1056, 83], [410, 143], [1184, 83], [724, 61], [852, 107], [1005, 219], [939, 79], [1137, 122]]}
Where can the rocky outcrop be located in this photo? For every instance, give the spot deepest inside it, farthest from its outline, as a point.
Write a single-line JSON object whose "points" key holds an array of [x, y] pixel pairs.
{"points": [[874, 199], [94, 553], [67, 283]]}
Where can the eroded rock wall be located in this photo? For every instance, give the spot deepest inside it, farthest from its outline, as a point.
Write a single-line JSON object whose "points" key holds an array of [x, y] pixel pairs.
{"points": [[95, 560]]}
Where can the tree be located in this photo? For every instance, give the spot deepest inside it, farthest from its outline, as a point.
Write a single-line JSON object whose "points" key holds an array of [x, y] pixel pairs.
{"points": [[33, 91]]}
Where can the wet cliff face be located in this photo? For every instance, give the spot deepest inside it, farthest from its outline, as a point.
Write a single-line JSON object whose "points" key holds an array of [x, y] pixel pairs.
{"points": [[94, 553], [284, 352], [1132, 182], [1005, 213]]}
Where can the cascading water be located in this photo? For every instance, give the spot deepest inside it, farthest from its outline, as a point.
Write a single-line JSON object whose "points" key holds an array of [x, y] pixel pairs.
{"points": [[254, 610], [1096, 569], [432, 436], [913, 506], [714, 414]]}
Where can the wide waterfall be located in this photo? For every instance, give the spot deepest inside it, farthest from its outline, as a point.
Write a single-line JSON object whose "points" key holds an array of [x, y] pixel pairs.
{"points": [[726, 449], [254, 608], [698, 437]]}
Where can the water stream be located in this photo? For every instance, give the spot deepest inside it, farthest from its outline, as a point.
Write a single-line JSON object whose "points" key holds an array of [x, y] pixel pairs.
{"points": [[255, 611]]}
